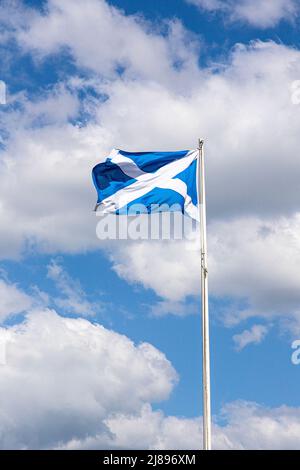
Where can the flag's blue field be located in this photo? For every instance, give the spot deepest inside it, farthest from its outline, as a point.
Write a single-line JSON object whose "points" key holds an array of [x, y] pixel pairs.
{"points": [[152, 181]]}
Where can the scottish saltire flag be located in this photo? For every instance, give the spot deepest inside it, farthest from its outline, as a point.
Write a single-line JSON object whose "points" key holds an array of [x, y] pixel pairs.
{"points": [[155, 181]]}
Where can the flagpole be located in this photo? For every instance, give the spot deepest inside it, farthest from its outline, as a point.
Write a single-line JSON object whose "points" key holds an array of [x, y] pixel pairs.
{"points": [[204, 302]]}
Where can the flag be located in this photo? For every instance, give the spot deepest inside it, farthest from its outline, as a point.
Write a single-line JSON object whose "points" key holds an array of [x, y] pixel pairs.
{"points": [[155, 181]]}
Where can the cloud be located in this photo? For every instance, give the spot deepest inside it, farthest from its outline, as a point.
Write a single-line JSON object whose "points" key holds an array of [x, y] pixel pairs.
{"points": [[250, 426], [12, 300], [103, 39], [257, 13], [245, 426], [255, 335], [159, 266], [51, 166], [242, 107], [97, 389], [240, 246], [149, 429], [244, 269], [245, 265], [90, 374], [72, 297], [13, 15], [231, 108]]}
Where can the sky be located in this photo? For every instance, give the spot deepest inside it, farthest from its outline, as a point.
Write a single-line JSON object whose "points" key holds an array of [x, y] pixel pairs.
{"points": [[100, 341]]}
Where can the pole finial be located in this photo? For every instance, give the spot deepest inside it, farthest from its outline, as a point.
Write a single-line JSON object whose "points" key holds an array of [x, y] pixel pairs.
{"points": [[200, 143]]}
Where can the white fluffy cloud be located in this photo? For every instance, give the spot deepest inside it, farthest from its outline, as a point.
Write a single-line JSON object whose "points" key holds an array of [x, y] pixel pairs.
{"points": [[257, 260], [97, 387], [148, 429], [95, 392], [250, 426], [246, 426], [63, 378], [159, 266], [258, 13], [243, 109], [103, 39], [252, 261], [47, 196]]}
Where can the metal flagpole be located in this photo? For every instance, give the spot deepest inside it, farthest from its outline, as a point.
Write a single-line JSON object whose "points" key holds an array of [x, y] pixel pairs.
{"points": [[204, 301]]}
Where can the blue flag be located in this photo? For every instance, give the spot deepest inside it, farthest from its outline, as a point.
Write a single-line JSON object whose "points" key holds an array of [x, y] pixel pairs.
{"points": [[153, 181]]}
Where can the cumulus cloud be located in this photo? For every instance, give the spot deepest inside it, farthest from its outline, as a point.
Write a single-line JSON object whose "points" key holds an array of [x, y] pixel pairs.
{"points": [[250, 426], [101, 38], [52, 166], [96, 392], [242, 107], [245, 426], [253, 336], [63, 378], [159, 266], [259, 264], [257, 13], [244, 268], [147, 429], [151, 429], [97, 388]]}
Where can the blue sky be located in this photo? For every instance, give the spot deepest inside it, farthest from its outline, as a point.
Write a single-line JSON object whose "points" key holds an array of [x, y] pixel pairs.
{"points": [[153, 74]]}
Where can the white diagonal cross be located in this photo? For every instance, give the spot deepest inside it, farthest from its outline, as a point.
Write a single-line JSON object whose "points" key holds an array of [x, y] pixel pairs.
{"points": [[146, 182]]}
